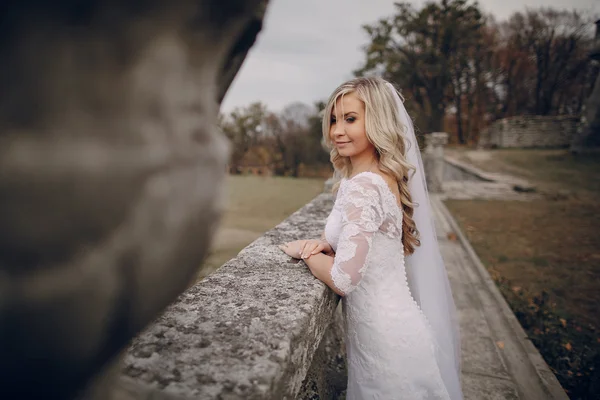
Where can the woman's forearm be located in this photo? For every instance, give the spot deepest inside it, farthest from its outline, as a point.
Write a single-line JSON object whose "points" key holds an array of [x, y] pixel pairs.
{"points": [[320, 265]]}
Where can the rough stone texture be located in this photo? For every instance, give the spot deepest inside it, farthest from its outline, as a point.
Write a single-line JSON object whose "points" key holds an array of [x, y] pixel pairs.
{"points": [[433, 160], [127, 389], [247, 331], [110, 168], [530, 131], [328, 375]]}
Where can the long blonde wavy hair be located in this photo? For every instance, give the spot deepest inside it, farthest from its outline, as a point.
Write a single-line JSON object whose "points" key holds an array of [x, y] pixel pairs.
{"points": [[386, 132]]}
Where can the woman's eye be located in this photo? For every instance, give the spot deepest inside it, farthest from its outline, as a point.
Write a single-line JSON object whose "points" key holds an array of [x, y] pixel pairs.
{"points": [[350, 119], [332, 121]]}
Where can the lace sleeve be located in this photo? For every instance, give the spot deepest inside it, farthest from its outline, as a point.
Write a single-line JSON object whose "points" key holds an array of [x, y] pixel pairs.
{"points": [[362, 216]]}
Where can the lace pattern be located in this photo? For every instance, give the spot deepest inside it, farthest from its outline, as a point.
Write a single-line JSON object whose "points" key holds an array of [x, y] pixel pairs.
{"points": [[389, 342], [362, 215]]}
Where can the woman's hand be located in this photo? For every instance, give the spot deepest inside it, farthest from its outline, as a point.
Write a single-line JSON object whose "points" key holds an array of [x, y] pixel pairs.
{"points": [[306, 248], [312, 247], [293, 249]]}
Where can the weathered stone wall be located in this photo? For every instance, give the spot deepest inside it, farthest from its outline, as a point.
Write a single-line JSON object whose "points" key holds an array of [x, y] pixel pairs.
{"points": [[250, 330], [530, 131]]}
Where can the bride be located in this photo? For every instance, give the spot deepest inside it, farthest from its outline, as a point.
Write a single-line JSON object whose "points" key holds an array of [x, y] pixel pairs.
{"points": [[379, 251]]}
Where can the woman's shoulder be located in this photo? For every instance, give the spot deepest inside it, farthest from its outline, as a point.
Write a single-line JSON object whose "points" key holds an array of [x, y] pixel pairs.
{"points": [[372, 180], [365, 184], [377, 185]]}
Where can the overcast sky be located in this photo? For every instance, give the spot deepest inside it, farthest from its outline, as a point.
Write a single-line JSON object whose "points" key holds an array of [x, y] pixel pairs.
{"points": [[308, 47]]}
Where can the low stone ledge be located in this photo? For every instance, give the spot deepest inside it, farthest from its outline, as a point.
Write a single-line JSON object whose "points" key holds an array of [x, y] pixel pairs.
{"points": [[489, 176], [247, 331], [469, 169]]}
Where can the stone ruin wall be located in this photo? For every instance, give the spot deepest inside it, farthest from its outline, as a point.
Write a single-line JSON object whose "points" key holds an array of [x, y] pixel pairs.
{"points": [[530, 131]]}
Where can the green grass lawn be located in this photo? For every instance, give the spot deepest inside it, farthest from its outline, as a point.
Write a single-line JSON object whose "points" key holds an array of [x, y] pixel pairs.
{"points": [[254, 205], [545, 255]]}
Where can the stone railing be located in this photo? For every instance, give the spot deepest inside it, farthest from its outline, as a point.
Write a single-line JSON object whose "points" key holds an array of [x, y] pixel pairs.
{"points": [[530, 131], [261, 326], [253, 329]]}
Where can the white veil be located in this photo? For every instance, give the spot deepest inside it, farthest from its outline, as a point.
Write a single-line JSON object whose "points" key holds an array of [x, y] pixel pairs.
{"points": [[427, 276]]}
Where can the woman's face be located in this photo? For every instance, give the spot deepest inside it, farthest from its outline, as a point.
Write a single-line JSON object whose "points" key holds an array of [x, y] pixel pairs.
{"points": [[347, 131]]}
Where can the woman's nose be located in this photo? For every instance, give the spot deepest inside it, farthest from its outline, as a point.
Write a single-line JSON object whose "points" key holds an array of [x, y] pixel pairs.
{"points": [[339, 129]]}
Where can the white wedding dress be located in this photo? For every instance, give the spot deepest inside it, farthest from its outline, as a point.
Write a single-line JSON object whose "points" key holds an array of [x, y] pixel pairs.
{"points": [[389, 342]]}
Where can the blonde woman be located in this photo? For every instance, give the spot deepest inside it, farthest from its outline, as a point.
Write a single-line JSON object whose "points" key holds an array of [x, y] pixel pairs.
{"points": [[379, 251]]}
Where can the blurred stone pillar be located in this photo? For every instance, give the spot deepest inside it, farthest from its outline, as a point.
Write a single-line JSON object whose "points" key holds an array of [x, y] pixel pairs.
{"points": [[330, 183], [328, 187], [588, 132], [433, 160], [111, 169]]}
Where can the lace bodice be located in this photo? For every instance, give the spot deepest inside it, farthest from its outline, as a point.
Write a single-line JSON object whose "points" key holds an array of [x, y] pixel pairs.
{"points": [[366, 206], [389, 342]]}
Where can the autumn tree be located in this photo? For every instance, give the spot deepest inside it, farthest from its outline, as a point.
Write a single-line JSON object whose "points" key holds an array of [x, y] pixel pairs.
{"points": [[467, 74], [283, 141], [243, 127], [297, 138], [426, 51], [545, 66], [455, 64]]}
